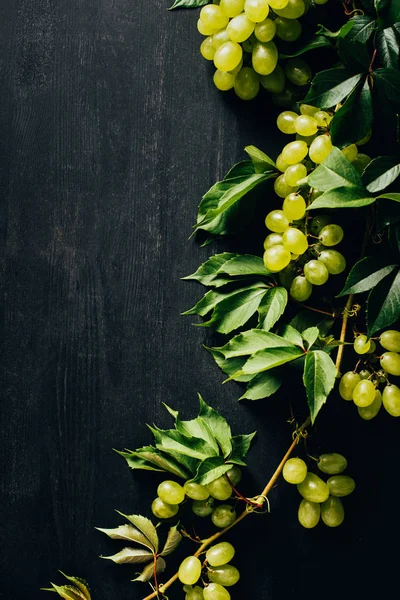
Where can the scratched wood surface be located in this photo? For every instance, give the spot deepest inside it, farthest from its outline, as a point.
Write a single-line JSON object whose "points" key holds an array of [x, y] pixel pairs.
{"points": [[110, 133]]}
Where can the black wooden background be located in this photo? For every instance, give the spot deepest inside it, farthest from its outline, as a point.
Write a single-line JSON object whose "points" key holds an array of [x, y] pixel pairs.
{"points": [[110, 133]]}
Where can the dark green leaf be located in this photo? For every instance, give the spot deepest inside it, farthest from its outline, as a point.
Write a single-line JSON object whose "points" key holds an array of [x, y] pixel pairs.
{"points": [[252, 341], [148, 571], [272, 307], [262, 385], [342, 32], [235, 311], [328, 88], [380, 173], [388, 81], [354, 54], [129, 556], [261, 161], [387, 45], [306, 318], [388, 213], [353, 120], [188, 3], [210, 469], [129, 534], [319, 379], [335, 171], [240, 447], [365, 275], [145, 526], [244, 265], [292, 335], [207, 273], [174, 538], [319, 41], [263, 360], [383, 306], [392, 196], [310, 335], [363, 28], [218, 425], [343, 197]]}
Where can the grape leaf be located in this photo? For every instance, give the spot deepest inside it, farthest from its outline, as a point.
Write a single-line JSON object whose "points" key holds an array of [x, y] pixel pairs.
{"points": [[310, 335], [210, 469], [261, 161], [252, 341], [240, 447], [130, 555], [173, 441], [218, 425], [291, 334], [387, 44], [207, 273], [365, 275], [197, 428], [188, 4], [68, 592], [80, 583], [244, 265], [363, 28], [148, 571], [306, 318], [230, 366], [319, 379], [174, 538], [388, 80], [128, 533], [343, 197], [334, 172], [319, 41], [353, 120], [342, 32], [380, 173], [354, 54], [272, 307], [211, 299], [145, 526], [262, 385], [329, 87], [151, 459], [383, 307], [392, 196], [263, 360]]}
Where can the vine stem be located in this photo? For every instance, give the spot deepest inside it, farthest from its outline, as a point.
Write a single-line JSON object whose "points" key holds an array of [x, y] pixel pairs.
{"points": [[343, 332], [206, 543]]}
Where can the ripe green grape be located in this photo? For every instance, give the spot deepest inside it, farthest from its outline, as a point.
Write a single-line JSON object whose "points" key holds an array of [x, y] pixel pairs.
{"points": [[220, 488], [234, 474], [334, 261], [295, 241], [212, 16], [207, 49], [320, 148], [307, 109], [350, 152], [171, 492], [247, 84], [306, 125], [203, 508], [331, 235], [281, 165], [223, 80], [313, 488], [196, 491], [340, 485], [391, 400], [225, 575], [275, 81], [347, 384], [256, 10], [362, 344], [278, 4], [264, 57], [288, 30], [372, 347], [232, 8], [322, 118], [364, 393], [276, 221], [390, 362], [294, 174], [318, 222], [365, 374], [332, 512], [203, 29], [361, 162], [294, 470], [369, 412], [316, 272], [163, 510], [294, 152], [223, 516], [309, 513], [301, 289], [298, 72], [286, 121], [294, 206], [293, 10], [332, 463], [265, 31], [195, 593], [276, 258], [189, 570], [214, 591], [282, 188], [220, 38], [240, 28], [228, 56], [273, 239], [390, 340], [220, 554]]}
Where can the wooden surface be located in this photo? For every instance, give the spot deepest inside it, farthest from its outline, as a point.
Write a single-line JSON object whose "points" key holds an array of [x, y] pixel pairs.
{"points": [[110, 133]]}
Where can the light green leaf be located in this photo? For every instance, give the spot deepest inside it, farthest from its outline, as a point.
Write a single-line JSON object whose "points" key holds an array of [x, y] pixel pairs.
{"points": [[68, 592], [173, 540], [80, 583], [172, 440], [148, 571], [188, 4], [129, 556], [383, 307], [329, 87], [391, 196], [230, 366], [197, 428], [365, 275], [212, 298], [218, 425], [263, 360], [319, 41], [245, 265], [342, 32], [292, 335], [149, 458], [310, 335], [319, 379], [343, 197], [240, 447], [336, 171], [145, 526], [128, 533], [207, 273], [252, 341], [210, 469], [262, 385], [235, 311], [261, 161], [272, 307], [380, 173]]}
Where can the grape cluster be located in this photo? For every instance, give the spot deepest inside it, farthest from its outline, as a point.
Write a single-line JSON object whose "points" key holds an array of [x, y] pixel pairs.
{"points": [[363, 387], [239, 39], [220, 572], [321, 500]]}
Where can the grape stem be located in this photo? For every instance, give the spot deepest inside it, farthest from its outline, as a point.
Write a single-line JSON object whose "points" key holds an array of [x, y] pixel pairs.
{"points": [[298, 434], [343, 331]]}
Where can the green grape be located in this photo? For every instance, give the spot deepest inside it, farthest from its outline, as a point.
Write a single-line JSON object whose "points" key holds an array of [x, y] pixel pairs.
{"points": [[309, 513], [220, 554], [382, 377], [214, 591], [276, 221], [298, 72], [240, 28], [364, 393], [295, 241], [234, 474], [294, 174], [288, 30], [247, 84], [287, 275], [220, 488], [369, 412], [320, 148], [350, 152], [237, 69], [248, 45], [189, 570], [332, 512], [225, 575], [286, 121], [340, 485], [334, 261], [256, 10], [306, 126], [294, 470], [223, 80], [361, 344], [264, 57], [275, 81], [361, 162], [171, 492], [294, 206], [365, 374], [294, 152], [196, 491], [232, 8], [331, 235], [220, 38], [301, 289], [273, 239], [390, 362], [212, 16], [372, 347], [203, 508], [316, 272], [347, 384], [163, 510], [276, 258], [228, 56], [195, 593], [391, 400], [365, 139], [293, 10], [207, 50], [265, 31], [278, 4], [313, 488], [307, 109], [284, 99], [281, 165], [318, 222], [223, 516], [332, 463], [322, 118], [281, 187], [203, 29], [390, 340]]}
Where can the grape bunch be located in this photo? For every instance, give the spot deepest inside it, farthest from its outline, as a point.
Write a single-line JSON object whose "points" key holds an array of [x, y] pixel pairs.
{"points": [[221, 574], [363, 387], [321, 500], [239, 40]]}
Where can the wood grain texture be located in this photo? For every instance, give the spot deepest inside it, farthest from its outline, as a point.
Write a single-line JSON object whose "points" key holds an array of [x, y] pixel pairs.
{"points": [[110, 133]]}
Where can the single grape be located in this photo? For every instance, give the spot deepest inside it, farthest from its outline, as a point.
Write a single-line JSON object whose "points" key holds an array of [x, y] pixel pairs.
{"points": [[365, 374], [276, 258], [307, 109], [294, 470], [294, 207], [334, 261], [234, 475], [390, 362], [331, 235], [273, 239], [369, 412], [264, 57], [309, 513], [228, 56], [240, 28], [220, 38], [207, 49], [322, 118], [265, 31], [220, 554], [282, 188], [286, 121], [372, 347], [316, 272], [223, 80], [350, 152], [196, 491], [332, 512], [223, 516], [298, 72], [391, 400], [364, 393], [313, 488], [301, 289], [163, 510], [247, 84], [318, 223], [332, 463], [225, 575], [281, 165], [293, 10], [232, 8], [347, 384], [294, 152], [220, 488], [382, 377], [288, 30], [306, 125], [189, 570], [256, 10], [361, 162], [171, 492], [294, 174], [275, 81], [203, 508], [276, 221], [214, 591], [320, 148], [203, 29], [295, 241], [212, 16], [195, 593], [278, 4], [341, 485], [390, 340]]}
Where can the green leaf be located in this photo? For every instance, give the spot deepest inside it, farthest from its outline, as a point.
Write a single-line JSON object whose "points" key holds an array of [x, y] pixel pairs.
{"points": [[172, 441], [262, 385], [328, 88], [240, 447], [68, 592], [173, 540], [151, 459], [263, 360], [388, 214], [80, 583], [292, 335], [354, 54], [212, 298], [261, 161], [188, 4], [130, 556], [310, 335], [391, 196], [148, 571], [380, 173], [363, 28], [306, 318], [353, 120], [387, 45], [145, 526], [319, 379], [207, 273], [388, 81], [335, 171], [128, 533], [197, 428], [230, 366], [218, 425], [365, 275], [210, 469], [252, 341], [383, 306], [245, 265], [319, 41], [235, 311], [342, 32], [343, 197], [272, 307]]}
